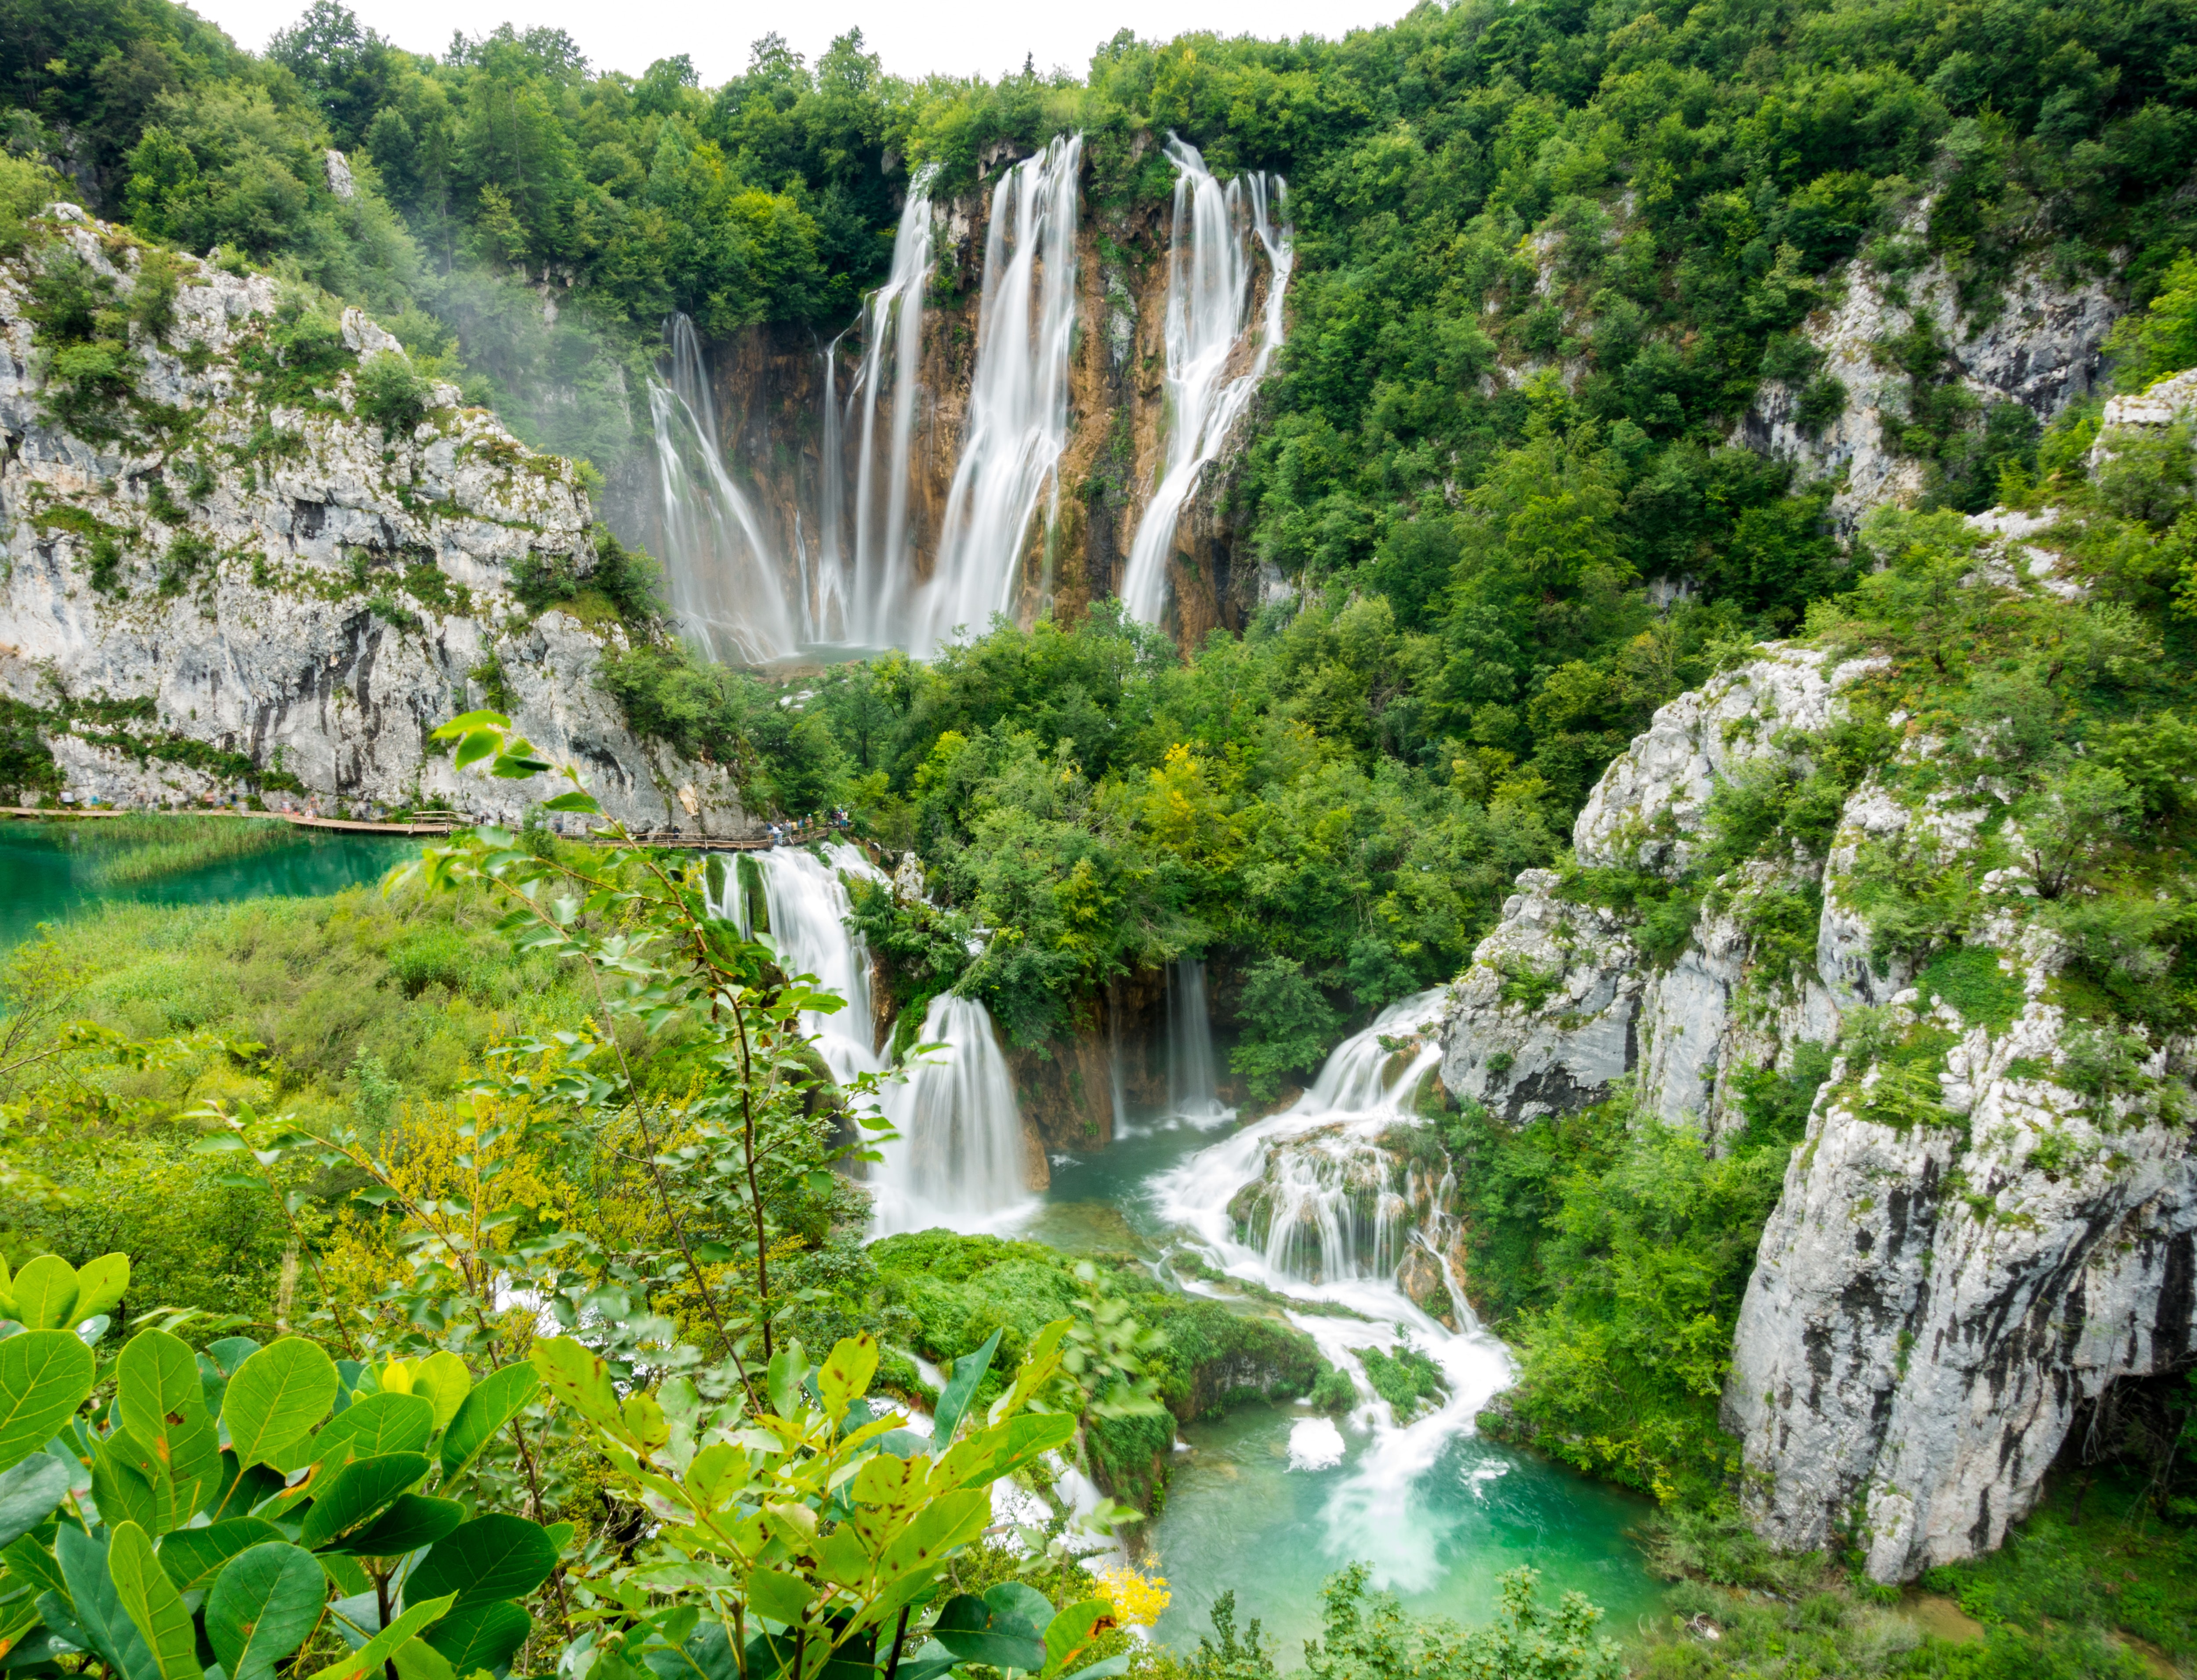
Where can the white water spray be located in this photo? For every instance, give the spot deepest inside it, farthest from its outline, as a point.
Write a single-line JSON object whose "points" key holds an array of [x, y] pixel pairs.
{"points": [[1365, 1089], [1207, 320], [958, 1161], [1017, 421], [725, 587], [872, 571]]}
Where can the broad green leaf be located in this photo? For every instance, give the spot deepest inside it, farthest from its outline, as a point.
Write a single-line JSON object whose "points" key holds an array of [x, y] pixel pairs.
{"points": [[161, 1403], [783, 1377], [782, 1598], [976, 1631], [1019, 1598], [442, 1380], [920, 1551], [847, 1373], [194, 1557], [125, 1484], [493, 1403], [575, 1374], [1028, 1438], [414, 1521], [267, 1599], [386, 1643], [960, 1387], [98, 1604], [359, 1492], [156, 1374], [28, 1494], [33, 1565], [416, 1659], [480, 1635], [275, 1396], [1070, 1633], [151, 1602], [101, 1284], [573, 802], [707, 1655], [492, 1556], [45, 1294], [469, 722], [378, 1424], [44, 1376]]}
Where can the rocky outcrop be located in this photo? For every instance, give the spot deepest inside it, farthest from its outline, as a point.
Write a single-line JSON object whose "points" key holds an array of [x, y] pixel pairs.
{"points": [[245, 586], [1561, 1000], [2039, 345], [2166, 403], [1933, 1302], [1983, 1229]]}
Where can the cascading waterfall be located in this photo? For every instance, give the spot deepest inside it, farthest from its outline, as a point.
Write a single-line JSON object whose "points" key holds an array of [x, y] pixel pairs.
{"points": [[1366, 1089], [808, 905], [1017, 421], [725, 587], [958, 1161], [871, 574], [1207, 317], [1191, 1084]]}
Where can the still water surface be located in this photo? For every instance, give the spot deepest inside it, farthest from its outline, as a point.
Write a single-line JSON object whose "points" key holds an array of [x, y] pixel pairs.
{"points": [[45, 878]]}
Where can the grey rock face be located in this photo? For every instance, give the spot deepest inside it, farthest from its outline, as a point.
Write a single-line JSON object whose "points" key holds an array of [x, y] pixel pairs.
{"points": [[1953, 1269], [1933, 1302], [2042, 351], [294, 592], [1560, 1002]]}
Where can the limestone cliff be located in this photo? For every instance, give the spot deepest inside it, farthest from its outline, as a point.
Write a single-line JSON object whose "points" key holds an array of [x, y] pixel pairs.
{"points": [[1993, 1215], [2036, 341], [242, 584]]}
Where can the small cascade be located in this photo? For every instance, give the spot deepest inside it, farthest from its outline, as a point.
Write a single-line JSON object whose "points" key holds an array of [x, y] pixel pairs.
{"points": [[1190, 1081], [1017, 421], [872, 572], [808, 905], [1341, 1216], [958, 1161], [725, 587], [1209, 283]]}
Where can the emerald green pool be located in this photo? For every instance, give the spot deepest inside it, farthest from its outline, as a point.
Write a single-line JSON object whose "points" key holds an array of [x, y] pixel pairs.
{"points": [[45, 876]]}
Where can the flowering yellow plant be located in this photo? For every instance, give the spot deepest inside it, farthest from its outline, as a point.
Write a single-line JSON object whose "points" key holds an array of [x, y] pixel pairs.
{"points": [[1137, 1598]]}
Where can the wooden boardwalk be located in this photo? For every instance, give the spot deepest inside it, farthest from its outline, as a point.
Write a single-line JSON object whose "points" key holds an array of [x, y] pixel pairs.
{"points": [[670, 838]]}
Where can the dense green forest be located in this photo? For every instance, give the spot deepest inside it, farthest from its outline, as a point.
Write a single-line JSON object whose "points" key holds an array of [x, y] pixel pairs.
{"points": [[1546, 254]]}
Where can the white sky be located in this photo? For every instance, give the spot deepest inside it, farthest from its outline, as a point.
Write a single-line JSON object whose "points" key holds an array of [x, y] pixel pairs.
{"points": [[971, 37]]}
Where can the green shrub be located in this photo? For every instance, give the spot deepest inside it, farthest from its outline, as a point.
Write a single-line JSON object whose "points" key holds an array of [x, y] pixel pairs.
{"points": [[392, 394]]}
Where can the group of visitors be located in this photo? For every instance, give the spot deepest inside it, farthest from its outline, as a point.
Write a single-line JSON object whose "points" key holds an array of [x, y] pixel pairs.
{"points": [[795, 831]]}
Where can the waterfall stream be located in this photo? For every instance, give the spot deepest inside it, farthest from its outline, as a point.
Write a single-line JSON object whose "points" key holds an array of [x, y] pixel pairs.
{"points": [[725, 587], [958, 1161], [874, 573], [806, 905], [1017, 421], [1210, 275], [1191, 1085], [1316, 1157]]}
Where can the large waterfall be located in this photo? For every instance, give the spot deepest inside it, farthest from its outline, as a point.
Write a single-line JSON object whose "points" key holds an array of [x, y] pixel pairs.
{"points": [[1311, 1163], [1209, 284], [1017, 422], [725, 587], [872, 574], [958, 1161]]}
